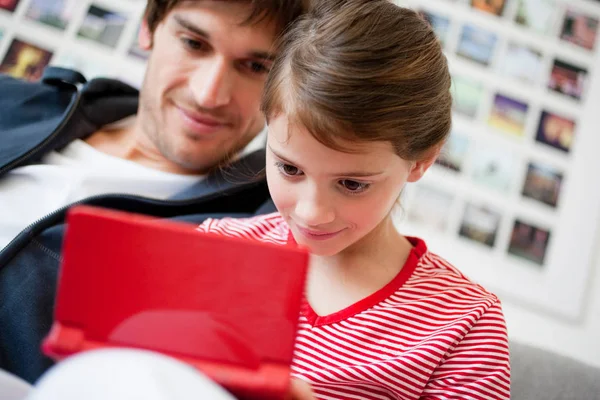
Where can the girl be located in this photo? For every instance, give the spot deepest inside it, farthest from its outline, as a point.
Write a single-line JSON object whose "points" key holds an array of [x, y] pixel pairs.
{"points": [[358, 104]]}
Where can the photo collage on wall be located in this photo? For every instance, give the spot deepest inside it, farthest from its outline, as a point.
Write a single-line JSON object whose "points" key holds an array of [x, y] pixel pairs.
{"points": [[485, 36], [551, 74], [75, 29]]}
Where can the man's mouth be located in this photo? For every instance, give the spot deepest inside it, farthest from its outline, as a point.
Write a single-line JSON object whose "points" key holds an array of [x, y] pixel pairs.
{"points": [[199, 123]]}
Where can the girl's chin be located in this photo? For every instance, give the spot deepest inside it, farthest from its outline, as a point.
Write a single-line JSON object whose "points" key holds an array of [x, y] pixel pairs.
{"points": [[320, 250]]}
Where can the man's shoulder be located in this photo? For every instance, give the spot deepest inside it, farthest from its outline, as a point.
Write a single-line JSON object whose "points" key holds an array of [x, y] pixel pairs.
{"points": [[26, 104], [62, 106], [12, 90], [54, 80]]}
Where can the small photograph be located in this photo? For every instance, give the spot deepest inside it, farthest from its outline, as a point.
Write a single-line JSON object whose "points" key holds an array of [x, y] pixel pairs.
{"points": [[568, 79], [102, 26], [56, 13], [430, 207], [537, 15], [134, 49], [466, 96], [543, 183], [529, 242], [477, 44], [556, 131], [25, 61], [579, 29], [495, 7], [522, 63], [454, 152], [508, 115], [493, 167], [440, 24], [480, 224], [9, 5]]}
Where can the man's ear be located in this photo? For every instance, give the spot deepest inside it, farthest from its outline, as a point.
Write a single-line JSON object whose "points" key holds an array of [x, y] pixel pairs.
{"points": [[144, 36], [421, 166]]}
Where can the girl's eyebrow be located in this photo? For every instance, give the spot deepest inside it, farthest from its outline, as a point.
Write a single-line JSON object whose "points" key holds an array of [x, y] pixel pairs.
{"points": [[357, 174], [282, 158]]}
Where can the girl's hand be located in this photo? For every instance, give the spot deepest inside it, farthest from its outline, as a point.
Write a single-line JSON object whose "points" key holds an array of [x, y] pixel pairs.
{"points": [[300, 390]]}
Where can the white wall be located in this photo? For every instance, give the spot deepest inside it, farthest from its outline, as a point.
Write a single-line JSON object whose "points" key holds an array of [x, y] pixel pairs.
{"points": [[576, 335], [577, 339], [70, 50]]}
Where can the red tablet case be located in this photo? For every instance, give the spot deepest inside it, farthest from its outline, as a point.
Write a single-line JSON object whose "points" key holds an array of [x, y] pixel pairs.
{"points": [[227, 306]]}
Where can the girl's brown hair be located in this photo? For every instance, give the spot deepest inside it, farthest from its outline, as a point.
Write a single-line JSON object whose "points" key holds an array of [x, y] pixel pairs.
{"points": [[363, 70]]}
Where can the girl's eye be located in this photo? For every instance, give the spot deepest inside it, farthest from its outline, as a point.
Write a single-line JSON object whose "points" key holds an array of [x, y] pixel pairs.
{"points": [[354, 186], [288, 170]]}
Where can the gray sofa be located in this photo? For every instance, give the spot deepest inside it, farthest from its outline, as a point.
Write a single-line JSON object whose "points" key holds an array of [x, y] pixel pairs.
{"points": [[539, 374]]}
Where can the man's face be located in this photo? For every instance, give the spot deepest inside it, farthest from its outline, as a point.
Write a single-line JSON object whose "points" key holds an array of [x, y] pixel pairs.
{"points": [[200, 98]]}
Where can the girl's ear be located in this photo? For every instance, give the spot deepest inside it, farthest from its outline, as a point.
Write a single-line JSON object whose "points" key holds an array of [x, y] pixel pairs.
{"points": [[421, 166]]}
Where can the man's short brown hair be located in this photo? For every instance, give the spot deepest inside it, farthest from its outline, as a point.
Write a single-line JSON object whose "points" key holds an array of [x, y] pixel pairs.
{"points": [[282, 12]]}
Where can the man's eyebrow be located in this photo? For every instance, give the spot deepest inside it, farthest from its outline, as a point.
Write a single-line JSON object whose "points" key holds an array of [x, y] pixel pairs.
{"points": [[188, 25], [263, 55], [184, 23]]}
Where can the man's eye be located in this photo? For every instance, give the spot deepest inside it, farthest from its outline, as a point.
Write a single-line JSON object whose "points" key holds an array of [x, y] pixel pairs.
{"points": [[354, 186], [192, 44], [256, 67], [288, 170]]}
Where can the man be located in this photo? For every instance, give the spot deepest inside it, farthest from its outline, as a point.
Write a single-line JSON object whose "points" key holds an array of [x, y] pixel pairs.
{"points": [[176, 153]]}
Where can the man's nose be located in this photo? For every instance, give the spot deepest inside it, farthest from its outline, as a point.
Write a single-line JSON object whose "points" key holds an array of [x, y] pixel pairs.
{"points": [[211, 84]]}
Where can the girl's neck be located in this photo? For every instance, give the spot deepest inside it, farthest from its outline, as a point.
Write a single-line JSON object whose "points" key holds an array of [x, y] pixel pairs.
{"points": [[339, 281]]}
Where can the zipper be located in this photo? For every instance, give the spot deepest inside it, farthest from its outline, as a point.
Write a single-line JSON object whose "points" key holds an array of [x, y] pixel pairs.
{"points": [[73, 106], [61, 210], [6, 253]]}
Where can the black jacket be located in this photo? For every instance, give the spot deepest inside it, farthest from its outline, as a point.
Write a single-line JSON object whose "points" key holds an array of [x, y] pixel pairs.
{"points": [[36, 118]]}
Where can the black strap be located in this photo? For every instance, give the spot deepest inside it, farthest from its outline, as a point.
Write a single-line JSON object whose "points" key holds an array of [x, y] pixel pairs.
{"points": [[60, 76]]}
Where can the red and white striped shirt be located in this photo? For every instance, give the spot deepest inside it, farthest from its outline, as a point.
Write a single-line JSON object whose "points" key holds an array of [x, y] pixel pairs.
{"points": [[430, 333]]}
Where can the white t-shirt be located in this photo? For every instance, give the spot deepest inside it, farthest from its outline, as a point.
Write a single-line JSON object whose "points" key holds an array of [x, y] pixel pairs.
{"points": [[78, 171]]}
